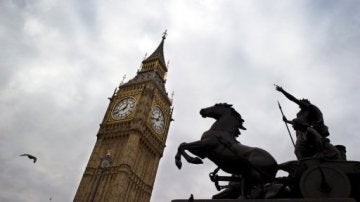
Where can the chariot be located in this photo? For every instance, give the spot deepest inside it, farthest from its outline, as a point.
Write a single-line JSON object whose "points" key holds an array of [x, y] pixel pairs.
{"points": [[308, 178]]}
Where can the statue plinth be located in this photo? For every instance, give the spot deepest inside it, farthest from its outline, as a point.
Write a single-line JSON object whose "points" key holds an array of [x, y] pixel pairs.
{"points": [[270, 200]]}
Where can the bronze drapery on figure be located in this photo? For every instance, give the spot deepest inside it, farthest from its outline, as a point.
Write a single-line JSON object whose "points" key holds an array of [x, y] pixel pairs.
{"points": [[310, 144]]}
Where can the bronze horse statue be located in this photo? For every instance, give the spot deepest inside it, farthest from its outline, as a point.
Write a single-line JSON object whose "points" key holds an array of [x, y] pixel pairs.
{"points": [[219, 144]]}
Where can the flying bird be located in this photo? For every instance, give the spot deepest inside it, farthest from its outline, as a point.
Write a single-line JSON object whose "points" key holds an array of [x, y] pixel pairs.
{"points": [[30, 157]]}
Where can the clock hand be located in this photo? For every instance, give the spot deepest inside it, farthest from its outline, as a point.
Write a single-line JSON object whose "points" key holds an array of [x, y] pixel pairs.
{"points": [[124, 107], [156, 119]]}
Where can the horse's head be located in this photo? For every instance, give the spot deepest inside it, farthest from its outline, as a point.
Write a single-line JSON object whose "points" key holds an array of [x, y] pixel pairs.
{"points": [[220, 110], [215, 111]]}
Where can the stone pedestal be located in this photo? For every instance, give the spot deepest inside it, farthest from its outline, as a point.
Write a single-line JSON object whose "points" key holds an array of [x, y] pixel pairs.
{"points": [[270, 200]]}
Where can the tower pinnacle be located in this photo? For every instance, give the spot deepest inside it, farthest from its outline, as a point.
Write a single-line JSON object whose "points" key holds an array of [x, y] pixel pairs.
{"points": [[164, 34], [158, 54]]}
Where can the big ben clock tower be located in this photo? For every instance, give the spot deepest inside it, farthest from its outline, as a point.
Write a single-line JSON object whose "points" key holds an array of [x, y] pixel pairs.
{"points": [[131, 138]]}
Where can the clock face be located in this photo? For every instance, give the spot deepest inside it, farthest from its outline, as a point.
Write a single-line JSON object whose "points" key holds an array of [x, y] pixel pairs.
{"points": [[157, 119], [123, 108]]}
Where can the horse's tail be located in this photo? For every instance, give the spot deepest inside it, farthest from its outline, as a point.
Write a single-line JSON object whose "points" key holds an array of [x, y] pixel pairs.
{"points": [[289, 166]]}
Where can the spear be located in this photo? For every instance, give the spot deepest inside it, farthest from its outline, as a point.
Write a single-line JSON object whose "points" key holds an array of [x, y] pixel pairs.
{"points": [[287, 127]]}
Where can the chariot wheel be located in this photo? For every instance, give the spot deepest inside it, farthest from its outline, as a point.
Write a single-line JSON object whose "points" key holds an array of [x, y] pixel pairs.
{"points": [[324, 182]]}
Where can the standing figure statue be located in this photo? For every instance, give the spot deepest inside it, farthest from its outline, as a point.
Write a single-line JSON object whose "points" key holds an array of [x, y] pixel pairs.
{"points": [[309, 113]]}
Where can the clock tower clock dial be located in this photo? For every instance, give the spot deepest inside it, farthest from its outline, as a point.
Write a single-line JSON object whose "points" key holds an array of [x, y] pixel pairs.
{"points": [[157, 119], [123, 108]]}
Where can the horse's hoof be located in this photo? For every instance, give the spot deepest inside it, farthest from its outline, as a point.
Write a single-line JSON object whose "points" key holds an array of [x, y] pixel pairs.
{"points": [[178, 164], [197, 160]]}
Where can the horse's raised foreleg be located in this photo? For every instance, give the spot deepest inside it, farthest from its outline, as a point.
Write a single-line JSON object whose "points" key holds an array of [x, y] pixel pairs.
{"points": [[178, 159], [197, 148]]}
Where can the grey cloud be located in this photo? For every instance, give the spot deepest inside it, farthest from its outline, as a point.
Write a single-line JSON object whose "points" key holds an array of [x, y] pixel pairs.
{"points": [[57, 73]]}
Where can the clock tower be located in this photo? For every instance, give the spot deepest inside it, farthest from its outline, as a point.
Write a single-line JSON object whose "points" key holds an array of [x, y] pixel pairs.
{"points": [[131, 138]]}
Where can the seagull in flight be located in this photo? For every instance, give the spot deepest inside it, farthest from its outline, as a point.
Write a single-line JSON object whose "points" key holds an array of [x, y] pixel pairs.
{"points": [[30, 157]]}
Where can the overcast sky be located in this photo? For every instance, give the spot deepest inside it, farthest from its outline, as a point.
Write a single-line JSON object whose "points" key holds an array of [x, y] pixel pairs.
{"points": [[61, 60]]}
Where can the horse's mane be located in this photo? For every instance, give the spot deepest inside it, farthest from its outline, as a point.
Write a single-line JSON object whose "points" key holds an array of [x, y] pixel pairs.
{"points": [[237, 115]]}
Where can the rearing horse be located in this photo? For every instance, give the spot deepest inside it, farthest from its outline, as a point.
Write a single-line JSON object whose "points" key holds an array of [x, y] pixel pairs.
{"points": [[219, 144]]}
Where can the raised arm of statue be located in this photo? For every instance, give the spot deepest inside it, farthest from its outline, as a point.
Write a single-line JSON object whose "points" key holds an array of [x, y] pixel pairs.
{"points": [[288, 95]]}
